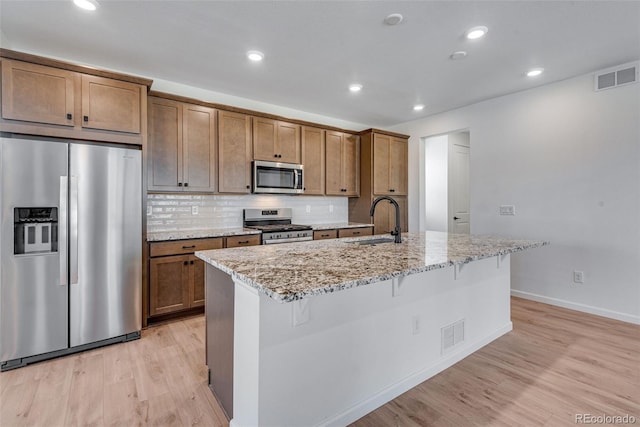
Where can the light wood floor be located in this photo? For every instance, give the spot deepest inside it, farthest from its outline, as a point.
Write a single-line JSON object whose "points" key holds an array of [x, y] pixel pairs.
{"points": [[554, 364]]}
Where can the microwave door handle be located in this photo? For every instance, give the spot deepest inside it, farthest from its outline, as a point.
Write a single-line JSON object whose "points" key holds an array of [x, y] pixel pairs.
{"points": [[295, 179], [62, 232]]}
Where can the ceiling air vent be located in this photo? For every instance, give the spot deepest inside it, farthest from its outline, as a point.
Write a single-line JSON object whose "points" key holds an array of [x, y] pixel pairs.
{"points": [[616, 76]]}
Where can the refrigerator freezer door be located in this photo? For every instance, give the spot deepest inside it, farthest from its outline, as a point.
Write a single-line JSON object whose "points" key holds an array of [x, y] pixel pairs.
{"points": [[33, 296], [105, 229]]}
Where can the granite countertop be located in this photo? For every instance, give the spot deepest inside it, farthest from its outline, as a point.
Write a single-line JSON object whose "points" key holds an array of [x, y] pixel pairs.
{"points": [[159, 236], [331, 226], [293, 271]]}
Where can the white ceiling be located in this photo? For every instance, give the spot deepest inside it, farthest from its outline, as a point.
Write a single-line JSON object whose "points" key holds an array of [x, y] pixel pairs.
{"points": [[314, 49]]}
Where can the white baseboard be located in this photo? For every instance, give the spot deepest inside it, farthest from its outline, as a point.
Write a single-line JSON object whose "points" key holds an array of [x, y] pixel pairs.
{"points": [[358, 411], [630, 318]]}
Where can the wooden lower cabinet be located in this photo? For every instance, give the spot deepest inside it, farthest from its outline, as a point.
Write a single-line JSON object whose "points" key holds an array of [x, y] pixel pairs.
{"points": [[176, 275], [325, 234], [355, 232]]}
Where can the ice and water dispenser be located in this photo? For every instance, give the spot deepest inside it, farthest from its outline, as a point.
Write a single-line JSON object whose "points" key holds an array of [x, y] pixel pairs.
{"points": [[35, 230]]}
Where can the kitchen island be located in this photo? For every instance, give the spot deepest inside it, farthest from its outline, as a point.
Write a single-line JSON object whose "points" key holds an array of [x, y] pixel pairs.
{"points": [[323, 332]]}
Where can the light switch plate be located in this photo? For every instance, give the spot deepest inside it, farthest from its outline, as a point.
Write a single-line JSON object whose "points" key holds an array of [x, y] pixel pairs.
{"points": [[194, 210], [507, 210]]}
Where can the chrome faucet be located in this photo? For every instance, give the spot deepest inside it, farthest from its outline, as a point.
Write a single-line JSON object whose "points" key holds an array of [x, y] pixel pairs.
{"points": [[397, 230]]}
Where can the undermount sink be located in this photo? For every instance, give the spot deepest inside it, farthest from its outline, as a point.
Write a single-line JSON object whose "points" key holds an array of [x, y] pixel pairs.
{"points": [[376, 241]]}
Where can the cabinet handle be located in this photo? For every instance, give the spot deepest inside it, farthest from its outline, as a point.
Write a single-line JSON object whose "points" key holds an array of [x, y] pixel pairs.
{"points": [[69, 116], [244, 242], [279, 156], [186, 263], [324, 235], [275, 155], [248, 187], [191, 262], [186, 184], [356, 232], [86, 118], [392, 190], [189, 247], [179, 184]]}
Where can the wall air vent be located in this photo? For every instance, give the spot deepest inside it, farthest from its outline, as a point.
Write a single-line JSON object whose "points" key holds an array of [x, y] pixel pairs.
{"points": [[452, 335], [616, 76]]}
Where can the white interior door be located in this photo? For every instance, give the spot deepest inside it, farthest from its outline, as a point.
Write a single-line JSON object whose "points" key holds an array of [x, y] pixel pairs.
{"points": [[459, 212]]}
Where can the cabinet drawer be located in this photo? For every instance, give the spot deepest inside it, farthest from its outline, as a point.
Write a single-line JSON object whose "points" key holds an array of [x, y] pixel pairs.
{"points": [[184, 246], [355, 232], [246, 240], [325, 234]]}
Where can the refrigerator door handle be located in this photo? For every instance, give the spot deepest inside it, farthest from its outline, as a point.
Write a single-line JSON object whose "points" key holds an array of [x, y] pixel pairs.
{"points": [[62, 233], [73, 229]]}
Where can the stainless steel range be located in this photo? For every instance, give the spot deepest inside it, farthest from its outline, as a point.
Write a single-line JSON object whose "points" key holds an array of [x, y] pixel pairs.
{"points": [[276, 226]]}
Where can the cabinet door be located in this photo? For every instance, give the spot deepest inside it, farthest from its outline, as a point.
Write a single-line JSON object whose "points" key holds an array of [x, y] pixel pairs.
{"points": [[109, 104], [355, 232], [246, 240], [165, 145], [333, 162], [398, 166], [351, 165], [168, 284], [234, 152], [313, 160], [36, 93], [381, 183], [199, 148], [264, 139], [288, 142], [196, 282]]}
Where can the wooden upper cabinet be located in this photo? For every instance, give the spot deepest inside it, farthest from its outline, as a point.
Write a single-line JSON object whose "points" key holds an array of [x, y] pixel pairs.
{"points": [[276, 141], [351, 165], [342, 164], [313, 155], [199, 148], [234, 152], [182, 146], [164, 145], [109, 104], [36, 93], [389, 165], [63, 102]]}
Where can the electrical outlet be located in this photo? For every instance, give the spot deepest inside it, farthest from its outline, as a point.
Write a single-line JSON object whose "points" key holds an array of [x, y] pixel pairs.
{"points": [[308, 209], [507, 210], [578, 276], [331, 208], [194, 210], [148, 210], [415, 325]]}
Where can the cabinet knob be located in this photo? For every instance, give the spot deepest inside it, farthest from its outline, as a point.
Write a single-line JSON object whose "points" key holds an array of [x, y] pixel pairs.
{"points": [[186, 263], [186, 184], [275, 155], [248, 187], [392, 190], [85, 118], [69, 116], [191, 262], [179, 184]]}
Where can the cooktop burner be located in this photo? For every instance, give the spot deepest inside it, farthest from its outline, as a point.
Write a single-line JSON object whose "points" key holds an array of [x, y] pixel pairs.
{"points": [[280, 227]]}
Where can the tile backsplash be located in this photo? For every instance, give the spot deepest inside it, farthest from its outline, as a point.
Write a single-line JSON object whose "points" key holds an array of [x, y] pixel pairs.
{"points": [[171, 212]]}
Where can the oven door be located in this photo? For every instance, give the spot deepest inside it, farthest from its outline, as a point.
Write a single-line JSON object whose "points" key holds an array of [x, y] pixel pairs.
{"points": [[277, 178]]}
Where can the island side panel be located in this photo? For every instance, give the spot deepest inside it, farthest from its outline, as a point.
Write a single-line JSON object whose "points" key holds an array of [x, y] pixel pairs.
{"points": [[219, 312], [358, 350]]}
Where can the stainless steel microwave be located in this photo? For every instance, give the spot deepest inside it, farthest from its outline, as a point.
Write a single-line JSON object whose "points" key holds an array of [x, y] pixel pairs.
{"points": [[277, 178]]}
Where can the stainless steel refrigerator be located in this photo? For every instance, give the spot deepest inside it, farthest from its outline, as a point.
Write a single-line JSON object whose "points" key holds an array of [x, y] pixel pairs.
{"points": [[70, 247]]}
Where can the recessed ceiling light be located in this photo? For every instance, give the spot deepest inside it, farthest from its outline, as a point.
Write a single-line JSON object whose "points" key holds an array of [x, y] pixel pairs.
{"points": [[355, 87], [393, 19], [418, 107], [458, 55], [534, 72], [86, 4], [476, 32], [255, 56]]}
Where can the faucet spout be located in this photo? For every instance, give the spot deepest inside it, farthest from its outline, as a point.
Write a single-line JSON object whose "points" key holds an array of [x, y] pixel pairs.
{"points": [[397, 230]]}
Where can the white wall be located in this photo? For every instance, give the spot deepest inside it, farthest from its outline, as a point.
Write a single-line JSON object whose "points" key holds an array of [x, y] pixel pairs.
{"points": [[436, 172], [568, 158]]}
